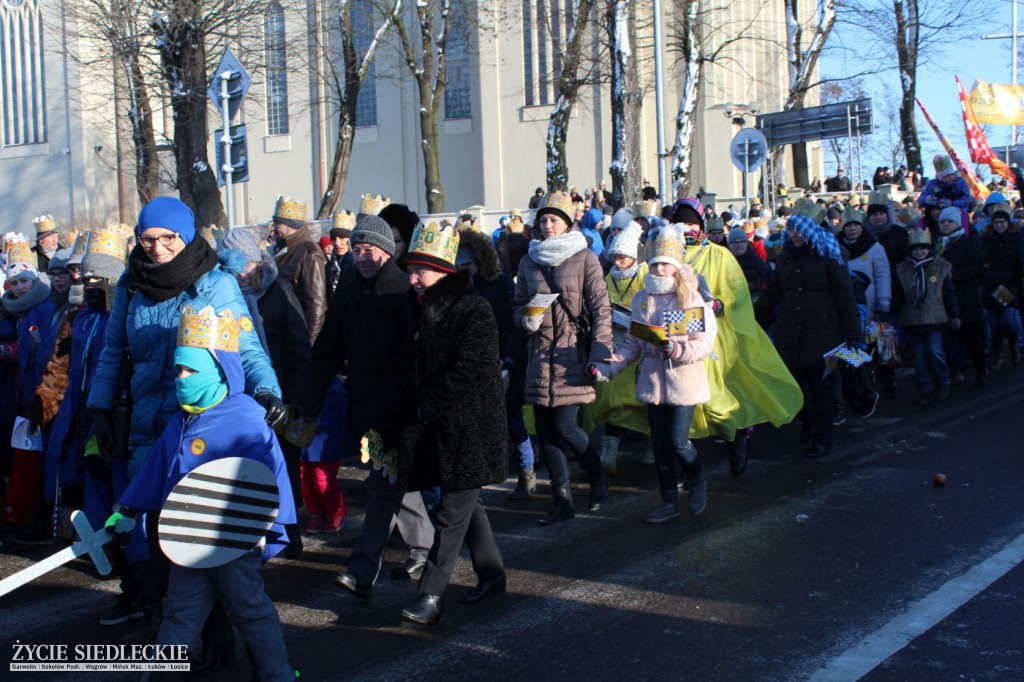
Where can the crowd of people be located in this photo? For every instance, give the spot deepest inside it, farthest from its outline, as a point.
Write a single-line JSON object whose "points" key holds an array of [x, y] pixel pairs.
{"points": [[437, 354]]}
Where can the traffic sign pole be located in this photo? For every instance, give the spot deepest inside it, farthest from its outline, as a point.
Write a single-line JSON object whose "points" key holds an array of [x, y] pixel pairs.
{"points": [[225, 76]]}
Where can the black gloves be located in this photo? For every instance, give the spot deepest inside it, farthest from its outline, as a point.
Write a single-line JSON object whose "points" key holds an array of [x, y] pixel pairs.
{"points": [[276, 411], [103, 427]]}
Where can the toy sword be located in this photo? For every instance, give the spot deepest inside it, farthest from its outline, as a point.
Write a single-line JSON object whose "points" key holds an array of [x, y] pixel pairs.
{"points": [[90, 542]]}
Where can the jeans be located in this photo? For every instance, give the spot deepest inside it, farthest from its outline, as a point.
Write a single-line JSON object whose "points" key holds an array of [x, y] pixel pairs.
{"points": [[670, 440], [557, 430], [929, 360]]}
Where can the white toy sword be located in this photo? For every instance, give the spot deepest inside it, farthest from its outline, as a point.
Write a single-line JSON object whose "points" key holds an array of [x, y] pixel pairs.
{"points": [[91, 542]]}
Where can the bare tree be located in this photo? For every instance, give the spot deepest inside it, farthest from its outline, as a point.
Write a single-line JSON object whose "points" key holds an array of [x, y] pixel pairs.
{"points": [[567, 91], [831, 92], [627, 103], [686, 115], [343, 69]]}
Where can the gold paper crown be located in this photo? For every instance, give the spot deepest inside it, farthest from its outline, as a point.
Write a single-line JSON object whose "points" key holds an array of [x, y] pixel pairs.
{"points": [[916, 236], [879, 197], [907, 216], [293, 209], [70, 237], [561, 201], [647, 208], [345, 220], [714, 223], [852, 215], [373, 204], [943, 165], [206, 329], [109, 241], [439, 240], [809, 208], [17, 248], [668, 243], [44, 223]]}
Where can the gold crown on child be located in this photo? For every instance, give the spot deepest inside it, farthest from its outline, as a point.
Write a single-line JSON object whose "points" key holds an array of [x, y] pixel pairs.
{"points": [[373, 204], [18, 250], [212, 331], [293, 209], [809, 208], [439, 240]]}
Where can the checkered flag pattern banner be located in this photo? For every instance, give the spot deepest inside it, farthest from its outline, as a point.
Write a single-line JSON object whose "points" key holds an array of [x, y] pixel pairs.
{"points": [[977, 144], [680, 322]]}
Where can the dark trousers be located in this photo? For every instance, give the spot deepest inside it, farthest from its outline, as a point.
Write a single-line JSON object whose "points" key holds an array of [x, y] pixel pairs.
{"points": [[557, 431], [461, 517], [819, 403], [969, 340], [670, 440]]}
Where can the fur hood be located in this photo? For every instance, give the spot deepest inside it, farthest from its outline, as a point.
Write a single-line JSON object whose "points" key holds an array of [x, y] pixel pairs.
{"points": [[440, 297], [485, 256]]}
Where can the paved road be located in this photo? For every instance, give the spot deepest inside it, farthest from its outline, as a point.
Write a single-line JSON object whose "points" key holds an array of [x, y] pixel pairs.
{"points": [[853, 566]]}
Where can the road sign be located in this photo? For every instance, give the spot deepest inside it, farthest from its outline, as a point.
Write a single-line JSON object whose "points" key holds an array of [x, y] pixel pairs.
{"points": [[748, 149], [238, 83], [239, 155], [829, 121]]}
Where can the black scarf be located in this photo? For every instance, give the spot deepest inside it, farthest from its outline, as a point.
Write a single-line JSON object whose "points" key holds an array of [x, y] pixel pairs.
{"points": [[859, 247], [165, 281], [920, 280]]}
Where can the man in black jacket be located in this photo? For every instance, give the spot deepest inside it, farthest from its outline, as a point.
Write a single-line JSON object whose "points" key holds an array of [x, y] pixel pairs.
{"points": [[369, 327]]}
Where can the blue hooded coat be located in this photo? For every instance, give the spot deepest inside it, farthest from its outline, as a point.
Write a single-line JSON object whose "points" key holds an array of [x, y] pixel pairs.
{"points": [[151, 331], [589, 224], [234, 427]]}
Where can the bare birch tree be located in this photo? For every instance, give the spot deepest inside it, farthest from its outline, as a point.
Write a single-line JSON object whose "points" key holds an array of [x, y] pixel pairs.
{"points": [[627, 103]]}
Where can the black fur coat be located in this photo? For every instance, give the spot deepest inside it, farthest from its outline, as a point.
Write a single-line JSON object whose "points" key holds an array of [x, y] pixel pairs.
{"points": [[459, 438]]}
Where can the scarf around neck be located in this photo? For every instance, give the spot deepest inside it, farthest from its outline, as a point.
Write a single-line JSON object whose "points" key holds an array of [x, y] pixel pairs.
{"points": [[628, 273], [162, 282], [920, 280], [859, 246], [948, 239], [655, 285], [39, 292], [554, 251], [266, 273]]}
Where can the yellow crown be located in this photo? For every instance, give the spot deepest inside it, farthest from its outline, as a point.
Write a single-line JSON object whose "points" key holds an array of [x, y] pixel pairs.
{"points": [[647, 208], [852, 215], [809, 208], [916, 236], [17, 248], [44, 223], [879, 197], [907, 216], [206, 329], [109, 241], [669, 242], [293, 209], [439, 240], [561, 201], [373, 204], [345, 220]]}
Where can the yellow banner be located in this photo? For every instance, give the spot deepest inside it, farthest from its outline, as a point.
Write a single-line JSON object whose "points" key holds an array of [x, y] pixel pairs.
{"points": [[995, 103]]}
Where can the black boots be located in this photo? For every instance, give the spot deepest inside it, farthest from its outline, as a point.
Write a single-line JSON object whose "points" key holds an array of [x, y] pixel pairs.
{"points": [[526, 486], [427, 610], [484, 588], [598, 490], [561, 506], [737, 454]]}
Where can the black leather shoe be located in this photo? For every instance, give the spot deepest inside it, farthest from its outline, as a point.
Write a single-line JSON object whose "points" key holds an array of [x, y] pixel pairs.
{"points": [[360, 587], [737, 455], [427, 610], [816, 451], [410, 570], [485, 588]]}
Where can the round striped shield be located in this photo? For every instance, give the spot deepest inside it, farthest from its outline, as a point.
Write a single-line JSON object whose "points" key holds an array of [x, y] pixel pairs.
{"points": [[218, 512]]}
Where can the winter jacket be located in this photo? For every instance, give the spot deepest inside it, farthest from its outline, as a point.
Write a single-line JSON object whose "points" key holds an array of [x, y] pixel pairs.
{"points": [[491, 285], [964, 254], [957, 194], [659, 380], [368, 327], [590, 225], [556, 374], [460, 440], [1002, 266], [869, 258], [304, 265], [939, 305], [150, 331], [817, 311], [755, 270], [893, 239], [622, 291], [287, 341], [511, 247]]}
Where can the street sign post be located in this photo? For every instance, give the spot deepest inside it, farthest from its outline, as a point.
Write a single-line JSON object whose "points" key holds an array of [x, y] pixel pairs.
{"points": [[239, 155], [748, 151], [227, 90]]}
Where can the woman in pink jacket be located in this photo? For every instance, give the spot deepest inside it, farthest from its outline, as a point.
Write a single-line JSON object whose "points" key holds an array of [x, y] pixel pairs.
{"points": [[671, 379]]}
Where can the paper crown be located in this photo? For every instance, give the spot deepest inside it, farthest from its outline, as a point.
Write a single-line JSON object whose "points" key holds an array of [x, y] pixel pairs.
{"points": [[852, 215], [17, 248], [212, 234], [289, 208], [879, 197], [111, 240], [44, 223], [754, 225], [714, 223], [345, 220], [669, 243], [907, 216], [78, 247], [943, 166], [371, 204], [434, 242], [559, 201], [809, 208], [919, 236], [71, 236], [647, 208], [206, 329]]}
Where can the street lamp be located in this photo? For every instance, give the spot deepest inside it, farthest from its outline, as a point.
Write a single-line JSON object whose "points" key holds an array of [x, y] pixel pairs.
{"points": [[738, 112]]}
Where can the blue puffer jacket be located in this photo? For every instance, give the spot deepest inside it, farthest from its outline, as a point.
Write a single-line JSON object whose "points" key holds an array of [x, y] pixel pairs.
{"points": [[152, 330]]}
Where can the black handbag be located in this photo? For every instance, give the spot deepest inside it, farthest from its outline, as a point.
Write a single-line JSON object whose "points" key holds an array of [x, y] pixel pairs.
{"points": [[121, 412], [582, 324]]}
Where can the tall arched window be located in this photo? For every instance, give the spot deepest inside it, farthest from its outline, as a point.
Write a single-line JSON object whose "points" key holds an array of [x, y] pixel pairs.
{"points": [[546, 26], [362, 21], [22, 73], [458, 101], [277, 69]]}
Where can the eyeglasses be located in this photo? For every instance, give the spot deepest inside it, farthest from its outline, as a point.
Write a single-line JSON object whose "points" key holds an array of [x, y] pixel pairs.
{"points": [[164, 239]]}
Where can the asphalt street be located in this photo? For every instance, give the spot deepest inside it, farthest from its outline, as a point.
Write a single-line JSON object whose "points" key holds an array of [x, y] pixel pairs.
{"points": [[855, 566]]}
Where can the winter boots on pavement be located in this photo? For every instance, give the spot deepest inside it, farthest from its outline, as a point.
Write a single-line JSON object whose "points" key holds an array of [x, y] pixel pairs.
{"points": [[668, 510], [609, 454], [526, 485], [561, 506]]}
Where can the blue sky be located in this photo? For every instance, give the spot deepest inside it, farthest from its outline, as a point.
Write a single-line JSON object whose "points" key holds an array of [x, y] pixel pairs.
{"points": [[971, 59]]}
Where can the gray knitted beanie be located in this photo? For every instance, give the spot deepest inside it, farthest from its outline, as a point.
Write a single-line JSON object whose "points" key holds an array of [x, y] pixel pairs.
{"points": [[374, 230]]}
